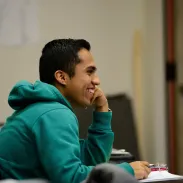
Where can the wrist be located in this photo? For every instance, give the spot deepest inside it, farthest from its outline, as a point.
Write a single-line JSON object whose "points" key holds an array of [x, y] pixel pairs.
{"points": [[104, 108]]}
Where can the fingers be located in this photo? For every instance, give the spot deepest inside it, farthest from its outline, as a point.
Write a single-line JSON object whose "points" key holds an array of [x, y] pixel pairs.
{"points": [[147, 170], [144, 163], [96, 94], [141, 169], [141, 173], [145, 175], [146, 166]]}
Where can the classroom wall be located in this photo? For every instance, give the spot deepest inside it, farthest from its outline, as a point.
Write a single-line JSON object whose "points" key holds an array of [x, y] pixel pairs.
{"points": [[110, 27]]}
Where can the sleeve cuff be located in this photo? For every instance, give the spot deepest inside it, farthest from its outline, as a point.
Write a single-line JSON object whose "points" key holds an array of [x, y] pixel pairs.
{"points": [[102, 120], [127, 167]]}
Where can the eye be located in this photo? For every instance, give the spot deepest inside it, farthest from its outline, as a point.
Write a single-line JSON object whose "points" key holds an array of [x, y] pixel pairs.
{"points": [[91, 71]]}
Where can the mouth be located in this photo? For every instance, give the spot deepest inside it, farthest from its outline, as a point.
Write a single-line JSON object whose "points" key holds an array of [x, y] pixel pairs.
{"points": [[91, 90], [89, 94]]}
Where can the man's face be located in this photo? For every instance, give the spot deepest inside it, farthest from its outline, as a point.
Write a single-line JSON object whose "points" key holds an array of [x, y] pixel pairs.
{"points": [[81, 87]]}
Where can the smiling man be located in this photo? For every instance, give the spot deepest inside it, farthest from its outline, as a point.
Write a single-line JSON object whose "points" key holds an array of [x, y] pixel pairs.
{"points": [[40, 139]]}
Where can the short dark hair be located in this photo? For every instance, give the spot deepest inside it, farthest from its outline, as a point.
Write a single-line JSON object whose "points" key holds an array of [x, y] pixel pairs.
{"points": [[60, 54]]}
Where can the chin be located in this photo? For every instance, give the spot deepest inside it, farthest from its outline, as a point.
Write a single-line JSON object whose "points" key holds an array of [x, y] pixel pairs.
{"points": [[83, 103], [86, 103]]}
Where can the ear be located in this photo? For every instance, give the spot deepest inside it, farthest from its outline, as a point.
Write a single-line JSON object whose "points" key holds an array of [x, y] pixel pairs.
{"points": [[61, 77]]}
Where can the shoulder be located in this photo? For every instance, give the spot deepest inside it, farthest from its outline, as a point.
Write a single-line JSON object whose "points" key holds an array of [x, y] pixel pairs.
{"points": [[55, 115]]}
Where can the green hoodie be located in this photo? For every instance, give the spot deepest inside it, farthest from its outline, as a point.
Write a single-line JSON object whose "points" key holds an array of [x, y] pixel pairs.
{"points": [[41, 138]]}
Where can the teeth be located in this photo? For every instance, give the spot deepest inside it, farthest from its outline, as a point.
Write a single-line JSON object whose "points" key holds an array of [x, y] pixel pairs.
{"points": [[91, 90]]}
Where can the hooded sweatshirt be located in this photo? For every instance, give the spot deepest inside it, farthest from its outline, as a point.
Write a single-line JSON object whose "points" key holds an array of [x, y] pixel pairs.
{"points": [[41, 138]]}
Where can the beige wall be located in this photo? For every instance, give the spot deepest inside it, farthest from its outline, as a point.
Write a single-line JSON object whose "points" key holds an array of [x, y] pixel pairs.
{"points": [[110, 27], [154, 84], [179, 98]]}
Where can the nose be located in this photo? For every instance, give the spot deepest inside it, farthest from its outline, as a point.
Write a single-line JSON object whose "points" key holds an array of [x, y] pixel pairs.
{"points": [[95, 80]]}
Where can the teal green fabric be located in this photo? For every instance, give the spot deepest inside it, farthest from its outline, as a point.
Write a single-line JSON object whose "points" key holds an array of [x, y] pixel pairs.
{"points": [[41, 138]]}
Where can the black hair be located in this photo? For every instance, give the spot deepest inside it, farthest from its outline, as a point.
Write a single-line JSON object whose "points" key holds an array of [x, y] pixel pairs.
{"points": [[100, 176], [60, 54]]}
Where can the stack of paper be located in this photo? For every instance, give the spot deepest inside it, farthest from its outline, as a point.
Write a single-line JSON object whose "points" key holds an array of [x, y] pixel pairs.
{"points": [[119, 151], [161, 175]]}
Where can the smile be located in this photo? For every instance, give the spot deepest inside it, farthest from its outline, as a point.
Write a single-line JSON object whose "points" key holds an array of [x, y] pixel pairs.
{"points": [[91, 91]]}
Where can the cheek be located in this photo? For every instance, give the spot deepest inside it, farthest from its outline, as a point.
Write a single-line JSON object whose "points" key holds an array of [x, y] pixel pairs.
{"points": [[85, 81], [80, 84]]}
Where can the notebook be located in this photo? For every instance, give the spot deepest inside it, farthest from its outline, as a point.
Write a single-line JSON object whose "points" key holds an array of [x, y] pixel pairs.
{"points": [[160, 176]]}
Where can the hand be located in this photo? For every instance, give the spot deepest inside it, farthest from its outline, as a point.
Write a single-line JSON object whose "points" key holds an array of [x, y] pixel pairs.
{"points": [[99, 100], [141, 169]]}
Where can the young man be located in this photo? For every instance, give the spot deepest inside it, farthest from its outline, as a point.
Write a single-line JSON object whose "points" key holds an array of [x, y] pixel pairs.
{"points": [[40, 139]]}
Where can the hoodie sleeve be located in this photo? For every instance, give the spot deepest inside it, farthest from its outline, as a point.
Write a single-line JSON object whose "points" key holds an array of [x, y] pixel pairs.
{"points": [[98, 146], [56, 135]]}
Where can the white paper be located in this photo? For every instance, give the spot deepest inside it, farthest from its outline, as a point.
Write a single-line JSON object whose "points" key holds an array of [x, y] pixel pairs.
{"points": [[161, 175], [119, 151], [18, 22]]}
